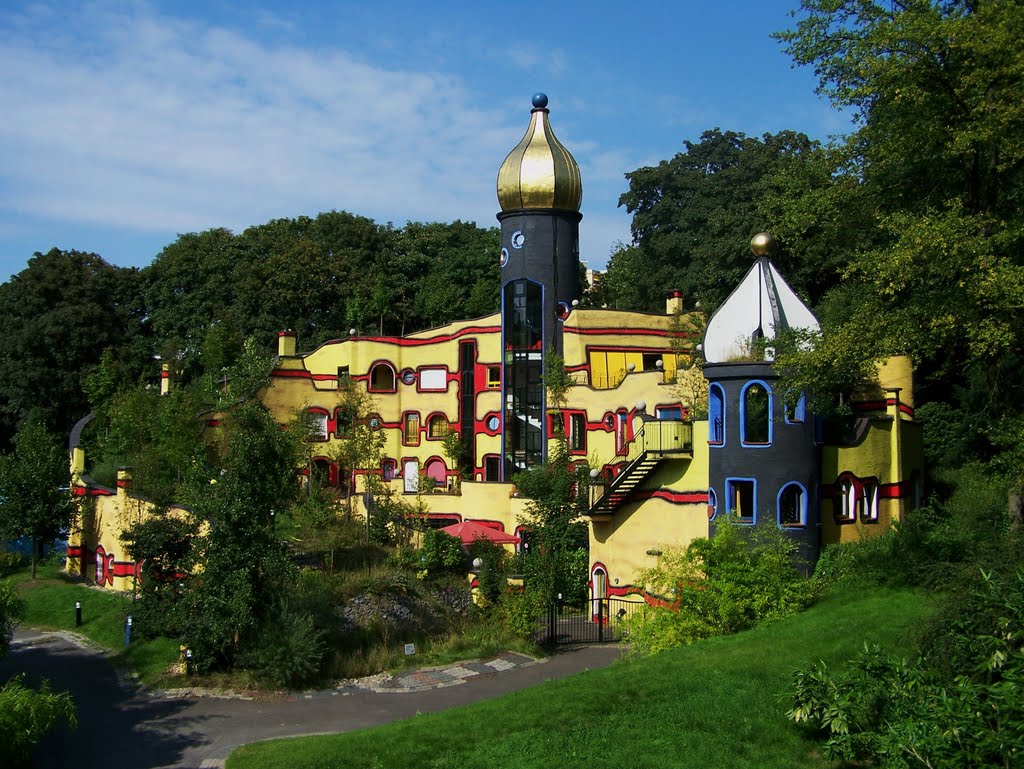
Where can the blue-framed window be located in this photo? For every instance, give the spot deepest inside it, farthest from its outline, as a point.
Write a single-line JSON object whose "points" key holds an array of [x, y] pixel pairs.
{"points": [[712, 504], [716, 415], [741, 499], [792, 506], [756, 414], [795, 409]]}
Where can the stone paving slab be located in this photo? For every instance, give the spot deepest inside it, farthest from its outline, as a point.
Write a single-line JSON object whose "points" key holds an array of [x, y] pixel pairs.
{"points": [[440, 676]]}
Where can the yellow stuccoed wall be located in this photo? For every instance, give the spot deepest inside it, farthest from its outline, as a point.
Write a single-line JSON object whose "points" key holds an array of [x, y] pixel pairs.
{"points": [[620, 543]]}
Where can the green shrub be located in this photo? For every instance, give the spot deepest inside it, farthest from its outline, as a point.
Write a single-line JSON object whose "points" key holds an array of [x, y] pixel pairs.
{"points": [[520, 612], [960, 704], [441, 553], [26, 715], [738, 579], [289, 649], [10, 562], [491, 577], [12, 608]]}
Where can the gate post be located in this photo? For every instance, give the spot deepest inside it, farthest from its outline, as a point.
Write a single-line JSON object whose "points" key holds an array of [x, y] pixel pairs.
{"points": [[600, 620]]}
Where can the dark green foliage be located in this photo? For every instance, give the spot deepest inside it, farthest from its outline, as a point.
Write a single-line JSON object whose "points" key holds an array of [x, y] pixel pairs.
{"points": [[34, 497], [442, 553], [491, 577], [694, 215], [320, 276], [12, 608], [244, 563], [925, 202], [165, 546], [59, 314], [288, 649], [26, 715], [738, 579], [556, 528], [11, 561]]}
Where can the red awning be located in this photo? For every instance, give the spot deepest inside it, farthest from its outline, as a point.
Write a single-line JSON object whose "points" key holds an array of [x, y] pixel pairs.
{"points": [[470, 532]]}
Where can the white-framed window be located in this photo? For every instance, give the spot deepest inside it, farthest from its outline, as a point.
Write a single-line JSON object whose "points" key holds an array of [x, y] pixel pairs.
{"points": [[869, 502], [318, 424], [792, 505], [846, 511]]}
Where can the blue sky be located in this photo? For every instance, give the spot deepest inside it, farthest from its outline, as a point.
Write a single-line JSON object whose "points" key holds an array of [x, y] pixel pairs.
{"points": [[124, 123]]}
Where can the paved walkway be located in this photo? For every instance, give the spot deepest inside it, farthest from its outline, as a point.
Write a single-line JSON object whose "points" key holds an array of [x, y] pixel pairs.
{"points": [[124, 725]]}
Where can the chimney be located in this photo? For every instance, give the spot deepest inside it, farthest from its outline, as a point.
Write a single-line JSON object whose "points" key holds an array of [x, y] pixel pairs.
{"points": [[124, 480], [286, 343], [165, 378], [673, 302]]}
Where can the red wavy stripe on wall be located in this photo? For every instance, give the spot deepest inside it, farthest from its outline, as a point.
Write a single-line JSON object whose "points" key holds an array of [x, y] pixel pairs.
{"points": [[91, 491], [882, 405], [651, 600], [675, 497], [613, 331]]}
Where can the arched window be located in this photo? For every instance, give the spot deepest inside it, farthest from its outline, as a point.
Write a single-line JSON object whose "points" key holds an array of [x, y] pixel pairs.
{"points": [[756, 415], [796, 408], [318, 424], [716, 415], [324, 475], [599, 591], [869, 502], [437, 427], [792, 506], [382, 378], [388, 469], [436, 470], [847, 502], [712, 504]]}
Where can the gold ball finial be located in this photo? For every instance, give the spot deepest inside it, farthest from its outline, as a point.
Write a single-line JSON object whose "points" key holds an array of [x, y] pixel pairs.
{"points": [[762, 244]]}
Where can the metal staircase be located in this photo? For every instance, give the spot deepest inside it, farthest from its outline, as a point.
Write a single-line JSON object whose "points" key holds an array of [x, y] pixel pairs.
{"points": [[655, 441]]}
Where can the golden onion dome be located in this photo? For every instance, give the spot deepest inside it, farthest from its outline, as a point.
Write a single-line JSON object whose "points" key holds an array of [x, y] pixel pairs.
{"points": [[539, 172]]}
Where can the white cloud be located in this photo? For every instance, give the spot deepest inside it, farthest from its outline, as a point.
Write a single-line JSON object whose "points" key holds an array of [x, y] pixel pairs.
{"points": [[136, 120]]}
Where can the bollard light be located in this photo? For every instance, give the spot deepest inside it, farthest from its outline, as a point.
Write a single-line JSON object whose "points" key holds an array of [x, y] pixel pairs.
{"points": [[128, 631], [78, 614]]}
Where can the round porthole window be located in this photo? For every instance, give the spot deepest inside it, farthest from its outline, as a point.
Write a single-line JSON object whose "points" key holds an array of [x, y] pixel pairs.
{"points": [[409, 376], [493, 423]]}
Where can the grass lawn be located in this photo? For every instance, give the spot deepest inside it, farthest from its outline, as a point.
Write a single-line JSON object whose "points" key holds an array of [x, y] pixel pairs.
{"points": [[50, 605], [720, 703]]}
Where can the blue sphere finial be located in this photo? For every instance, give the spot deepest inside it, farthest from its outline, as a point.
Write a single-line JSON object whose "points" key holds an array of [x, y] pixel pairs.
{"points": [[540, 100]]}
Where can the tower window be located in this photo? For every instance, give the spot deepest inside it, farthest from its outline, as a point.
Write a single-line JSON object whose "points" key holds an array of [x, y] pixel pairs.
{"points": [[741, 498], [756, 415], [716, 415], [792, 506]]}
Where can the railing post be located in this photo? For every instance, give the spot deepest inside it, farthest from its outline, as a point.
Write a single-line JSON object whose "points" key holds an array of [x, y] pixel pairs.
{"points": [[600, 620]]}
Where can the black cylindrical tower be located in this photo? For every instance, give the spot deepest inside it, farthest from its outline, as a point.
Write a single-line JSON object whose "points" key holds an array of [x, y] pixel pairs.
{"points": [[540, 192]]}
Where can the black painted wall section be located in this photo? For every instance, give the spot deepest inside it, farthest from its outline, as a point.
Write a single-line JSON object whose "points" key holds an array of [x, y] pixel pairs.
{"points": [[791, 456], [543, 246]]}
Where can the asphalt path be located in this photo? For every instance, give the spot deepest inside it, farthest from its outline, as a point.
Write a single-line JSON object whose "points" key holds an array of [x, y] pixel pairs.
{"points": [[125, 726]]}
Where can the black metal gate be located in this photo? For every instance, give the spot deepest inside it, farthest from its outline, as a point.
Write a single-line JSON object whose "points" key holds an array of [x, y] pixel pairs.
{"points": [[600, 620]]}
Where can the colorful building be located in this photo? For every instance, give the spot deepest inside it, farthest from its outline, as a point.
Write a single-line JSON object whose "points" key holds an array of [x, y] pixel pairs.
{"points": [[672, 435]]}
